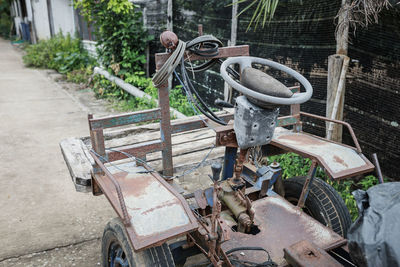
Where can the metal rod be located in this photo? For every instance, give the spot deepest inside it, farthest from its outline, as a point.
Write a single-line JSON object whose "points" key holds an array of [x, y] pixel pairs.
{"points": [[336, 121], [117, 188], [165, 130], [377, 168], [307, 184]]}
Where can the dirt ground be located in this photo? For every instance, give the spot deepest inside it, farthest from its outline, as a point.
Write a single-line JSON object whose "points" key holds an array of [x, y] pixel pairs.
{"points": [[43, 221]]}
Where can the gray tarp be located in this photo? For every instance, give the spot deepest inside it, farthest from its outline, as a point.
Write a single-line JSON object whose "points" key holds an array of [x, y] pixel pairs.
{"points": [[374, 238]]}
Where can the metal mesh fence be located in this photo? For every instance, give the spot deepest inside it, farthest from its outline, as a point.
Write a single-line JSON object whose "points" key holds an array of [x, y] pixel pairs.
{"points": [[302, 36]]}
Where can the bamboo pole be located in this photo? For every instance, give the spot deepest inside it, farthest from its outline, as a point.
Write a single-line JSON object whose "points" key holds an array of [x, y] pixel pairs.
{"points": [[340, 89], [335, 97]]}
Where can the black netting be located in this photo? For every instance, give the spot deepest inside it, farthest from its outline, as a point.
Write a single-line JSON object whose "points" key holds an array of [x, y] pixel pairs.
{"points": [[302, 36]]}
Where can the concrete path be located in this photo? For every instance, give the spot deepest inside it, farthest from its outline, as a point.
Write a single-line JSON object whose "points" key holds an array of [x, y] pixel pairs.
{"points": [[39, 208]]}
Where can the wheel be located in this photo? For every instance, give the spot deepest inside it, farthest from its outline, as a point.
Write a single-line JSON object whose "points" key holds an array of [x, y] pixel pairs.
{"points": [[323, 203], [116, 250]]}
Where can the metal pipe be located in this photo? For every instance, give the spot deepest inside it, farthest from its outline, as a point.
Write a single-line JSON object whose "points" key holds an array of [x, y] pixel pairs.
{"points": [[121, 199], [377, 168], [307, 184], [132, 89], [353, 135]]}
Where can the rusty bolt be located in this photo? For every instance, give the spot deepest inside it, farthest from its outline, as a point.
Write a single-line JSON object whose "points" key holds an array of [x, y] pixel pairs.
{"points": [[169, 40]]}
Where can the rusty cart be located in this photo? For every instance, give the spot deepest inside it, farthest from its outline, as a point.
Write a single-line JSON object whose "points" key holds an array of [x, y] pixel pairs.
{"points": [[249, 216]]}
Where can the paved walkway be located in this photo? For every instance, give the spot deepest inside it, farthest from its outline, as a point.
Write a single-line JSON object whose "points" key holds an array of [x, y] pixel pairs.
{"points": [[40, 210]]}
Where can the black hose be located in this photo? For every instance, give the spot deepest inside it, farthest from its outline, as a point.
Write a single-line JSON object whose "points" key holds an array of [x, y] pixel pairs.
{"points": [[188, 91]]}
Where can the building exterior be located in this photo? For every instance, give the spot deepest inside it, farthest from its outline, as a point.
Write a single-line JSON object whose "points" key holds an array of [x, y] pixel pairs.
{"points": [[40, 19]]}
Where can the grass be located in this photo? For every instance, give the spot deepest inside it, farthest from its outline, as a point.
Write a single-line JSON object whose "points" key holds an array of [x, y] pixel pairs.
{"points": [[103, 88]]}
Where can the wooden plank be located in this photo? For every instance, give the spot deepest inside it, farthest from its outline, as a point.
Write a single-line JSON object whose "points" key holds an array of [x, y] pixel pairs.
{"points": [[187, 161], [129, 118], [132, 130], [155, 135], [79, 163], [335, 63], [136, 150]]}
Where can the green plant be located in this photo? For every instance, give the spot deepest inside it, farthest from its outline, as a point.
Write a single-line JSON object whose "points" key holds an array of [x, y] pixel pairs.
{"points": [[121, 38], [177, 99], [5, 18], [81, 75], [62, 53], [66, 61], [294, 165], [265, 9], [103, 88]]}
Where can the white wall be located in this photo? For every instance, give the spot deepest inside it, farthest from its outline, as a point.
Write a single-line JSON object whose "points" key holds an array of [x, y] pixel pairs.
{"points": [[29, 9], [63, 16], [16, 12], [41, 19]]}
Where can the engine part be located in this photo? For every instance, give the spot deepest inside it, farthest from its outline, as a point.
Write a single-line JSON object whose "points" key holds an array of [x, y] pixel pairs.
{"points": [[254, 126], [267, 176], [238, 205]]}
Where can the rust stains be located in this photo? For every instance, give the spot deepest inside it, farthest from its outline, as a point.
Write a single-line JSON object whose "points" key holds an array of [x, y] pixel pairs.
{"points": [[302, 140], [135, 187], [340, 161], [165, 204]]}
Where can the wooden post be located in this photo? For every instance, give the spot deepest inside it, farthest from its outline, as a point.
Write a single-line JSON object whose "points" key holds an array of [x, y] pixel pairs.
{"points": [[231, 42], [234, 23], [342, 33], [169, 16], [335, 66], [144, 14], [337, 69]]}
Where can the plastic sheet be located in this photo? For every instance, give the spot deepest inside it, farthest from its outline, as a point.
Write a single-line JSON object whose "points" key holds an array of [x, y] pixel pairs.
{"points": [[374, 238]]}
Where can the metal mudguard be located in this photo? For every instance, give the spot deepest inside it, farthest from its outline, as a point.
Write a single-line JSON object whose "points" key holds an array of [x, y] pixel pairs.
{"points": [[156, 211], [339, 160]]}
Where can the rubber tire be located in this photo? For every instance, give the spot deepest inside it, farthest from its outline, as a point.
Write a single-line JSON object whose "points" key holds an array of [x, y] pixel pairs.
{"points": [[156, 256], [323, 203]]}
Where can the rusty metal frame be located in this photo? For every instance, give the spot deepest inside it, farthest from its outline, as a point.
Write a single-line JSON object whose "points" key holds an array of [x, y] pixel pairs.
{"points": [[118, 204], [104, 180], [340, 175], [307, 184], [163, 96], [108, 183], [353, 136]]}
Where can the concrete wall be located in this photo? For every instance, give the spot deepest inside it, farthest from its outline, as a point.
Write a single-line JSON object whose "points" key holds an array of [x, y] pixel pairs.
{"points": [[63, 16], [90, 46], [41, 19]]}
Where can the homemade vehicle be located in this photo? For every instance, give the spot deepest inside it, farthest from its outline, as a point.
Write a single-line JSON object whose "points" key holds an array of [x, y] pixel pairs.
{"points": [[249, 216]]}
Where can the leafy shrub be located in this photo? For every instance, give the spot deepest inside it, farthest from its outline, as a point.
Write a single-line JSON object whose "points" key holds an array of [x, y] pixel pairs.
{"points": [[295, 165], [103, 88], [62, 53], [5, 19], [81, 75], [121, 37]]}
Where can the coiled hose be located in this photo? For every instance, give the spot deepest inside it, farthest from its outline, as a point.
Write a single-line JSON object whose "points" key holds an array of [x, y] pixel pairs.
{"points": [[204, 46]]}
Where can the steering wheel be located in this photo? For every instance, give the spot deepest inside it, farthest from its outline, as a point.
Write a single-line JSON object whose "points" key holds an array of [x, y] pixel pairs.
{"points": [[245, 62]]}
